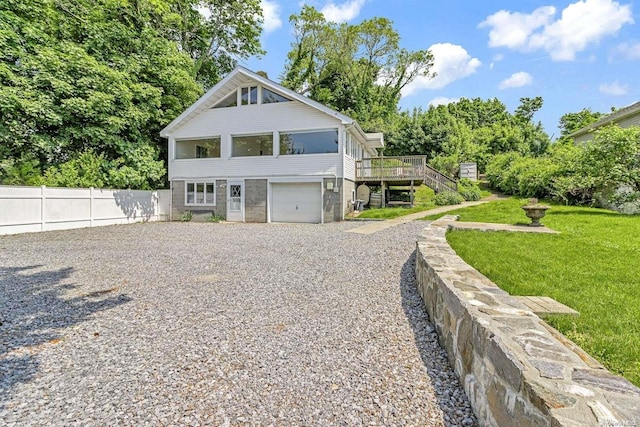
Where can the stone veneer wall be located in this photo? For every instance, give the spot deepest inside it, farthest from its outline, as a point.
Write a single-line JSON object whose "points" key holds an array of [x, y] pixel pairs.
{"points": [[516, 370], [199, 212], [255, 200], [332, 201]]}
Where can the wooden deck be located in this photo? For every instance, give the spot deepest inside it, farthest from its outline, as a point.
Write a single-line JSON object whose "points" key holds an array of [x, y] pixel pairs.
{"points": [[402, 171]]}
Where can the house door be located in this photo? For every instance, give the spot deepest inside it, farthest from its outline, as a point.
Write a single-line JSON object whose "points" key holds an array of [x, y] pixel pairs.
{"points": [[235, 201]]}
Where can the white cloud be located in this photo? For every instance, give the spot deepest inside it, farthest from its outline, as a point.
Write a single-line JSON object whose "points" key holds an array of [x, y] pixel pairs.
{"points": [[614, 89], [629, 51], [519, 79], [450, 63], [581, 24], [342, 12], [442, 100], [271, 14], [513, 30]]}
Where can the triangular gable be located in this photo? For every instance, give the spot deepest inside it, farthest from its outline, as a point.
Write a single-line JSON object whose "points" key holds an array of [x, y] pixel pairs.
{"points": [[241, 76]]}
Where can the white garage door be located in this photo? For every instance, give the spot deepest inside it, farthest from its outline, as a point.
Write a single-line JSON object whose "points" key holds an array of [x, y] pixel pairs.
{"points": [[296, 202]]}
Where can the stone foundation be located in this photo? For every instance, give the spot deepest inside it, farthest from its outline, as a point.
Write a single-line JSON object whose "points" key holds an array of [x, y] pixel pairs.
{"points": [[516, 369]]}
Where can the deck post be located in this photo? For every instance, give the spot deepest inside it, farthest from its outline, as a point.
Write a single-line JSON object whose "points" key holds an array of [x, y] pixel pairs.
{"points": [[411, 193]]}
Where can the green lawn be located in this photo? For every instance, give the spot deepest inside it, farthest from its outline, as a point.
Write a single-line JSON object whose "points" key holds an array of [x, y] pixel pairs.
{"points": [[593, 266], [422, 202]]}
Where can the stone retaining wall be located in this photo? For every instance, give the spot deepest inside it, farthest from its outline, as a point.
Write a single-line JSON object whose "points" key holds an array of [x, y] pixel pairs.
{"points": [[516, 370]]}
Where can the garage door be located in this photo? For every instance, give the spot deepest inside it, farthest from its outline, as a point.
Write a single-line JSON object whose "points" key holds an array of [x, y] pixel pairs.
{"points": [[296, 202]]}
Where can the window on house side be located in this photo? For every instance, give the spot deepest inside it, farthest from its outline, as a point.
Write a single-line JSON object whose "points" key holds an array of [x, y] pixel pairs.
{"points": [[249, 95], [312, 142], [231, 100], [200, 193], [269, 97], [206, 148], [252, 145]]}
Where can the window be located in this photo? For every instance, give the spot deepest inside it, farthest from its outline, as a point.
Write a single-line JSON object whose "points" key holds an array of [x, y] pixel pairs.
{"points": [[249, 95], [312, 142], [252, 145], [269, 97], [200, 193], [206, 148], [230, 101]]}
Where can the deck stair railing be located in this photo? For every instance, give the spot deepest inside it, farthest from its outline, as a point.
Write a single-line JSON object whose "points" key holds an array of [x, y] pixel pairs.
{"points": [[403, 168]]}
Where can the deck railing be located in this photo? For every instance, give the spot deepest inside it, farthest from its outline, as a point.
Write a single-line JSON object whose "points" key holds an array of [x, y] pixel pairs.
{"points": [[403, 168]]}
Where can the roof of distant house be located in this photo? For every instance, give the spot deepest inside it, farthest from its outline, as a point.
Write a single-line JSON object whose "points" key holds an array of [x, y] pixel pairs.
{"points": [[610, 118]]}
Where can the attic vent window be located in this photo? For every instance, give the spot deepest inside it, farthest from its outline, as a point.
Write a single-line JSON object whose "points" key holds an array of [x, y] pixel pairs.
{"points": [[269, 97]]}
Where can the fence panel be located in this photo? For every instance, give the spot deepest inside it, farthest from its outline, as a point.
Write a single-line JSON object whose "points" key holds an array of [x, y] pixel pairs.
{"points": [[32, 209]]}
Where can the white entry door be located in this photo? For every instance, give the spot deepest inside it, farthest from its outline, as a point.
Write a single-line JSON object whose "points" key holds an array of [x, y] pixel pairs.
{"points": [[235, 201]]}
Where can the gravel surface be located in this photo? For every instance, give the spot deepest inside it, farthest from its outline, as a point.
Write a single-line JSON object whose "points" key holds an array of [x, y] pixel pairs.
{"points": [[219, 324]]}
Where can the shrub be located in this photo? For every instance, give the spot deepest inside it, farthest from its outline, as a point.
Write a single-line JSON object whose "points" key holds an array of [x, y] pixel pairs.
{"points": [[496, 171], [186, 216], [214, 218], [448, 198], [469, 190]]}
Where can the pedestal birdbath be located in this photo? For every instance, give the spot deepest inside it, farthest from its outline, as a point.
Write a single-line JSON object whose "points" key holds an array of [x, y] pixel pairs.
{"points": [[535, 211]]}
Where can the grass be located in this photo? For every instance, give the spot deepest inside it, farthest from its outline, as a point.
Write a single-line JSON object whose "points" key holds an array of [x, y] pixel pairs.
{"points": [[423, 200], [592, 266]]}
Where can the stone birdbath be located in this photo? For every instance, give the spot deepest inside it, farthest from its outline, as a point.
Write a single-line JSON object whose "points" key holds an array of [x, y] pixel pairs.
{"points": [[535, 211]]}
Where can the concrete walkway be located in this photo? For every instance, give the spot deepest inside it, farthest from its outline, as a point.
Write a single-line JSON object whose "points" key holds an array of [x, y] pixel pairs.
{"points": [[374, 227]]}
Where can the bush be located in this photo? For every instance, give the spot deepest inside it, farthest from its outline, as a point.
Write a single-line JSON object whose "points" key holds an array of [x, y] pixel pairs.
{"points": [[214, 218], [186, 216], [448, 198], [469, 190], [512, 173]]}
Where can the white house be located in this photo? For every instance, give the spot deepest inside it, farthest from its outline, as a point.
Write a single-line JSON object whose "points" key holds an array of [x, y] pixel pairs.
{"points": [[252, 150]]}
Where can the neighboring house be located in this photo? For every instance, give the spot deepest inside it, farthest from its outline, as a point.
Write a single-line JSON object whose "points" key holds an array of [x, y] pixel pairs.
{"points": [[624, 118], [252, 150]]}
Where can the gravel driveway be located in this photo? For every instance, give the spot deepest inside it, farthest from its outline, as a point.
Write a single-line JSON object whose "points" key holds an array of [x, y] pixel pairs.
{"points": [[219, 324]]}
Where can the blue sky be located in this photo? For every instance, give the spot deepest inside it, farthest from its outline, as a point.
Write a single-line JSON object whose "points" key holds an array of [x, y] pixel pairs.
{"points": [[574, 54]]}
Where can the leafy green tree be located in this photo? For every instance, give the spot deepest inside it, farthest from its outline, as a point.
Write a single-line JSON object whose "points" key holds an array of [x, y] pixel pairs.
{"points": [[612, 162], [215, 34], [534, 135], [103, 77], [572, 122], [357, 69]]}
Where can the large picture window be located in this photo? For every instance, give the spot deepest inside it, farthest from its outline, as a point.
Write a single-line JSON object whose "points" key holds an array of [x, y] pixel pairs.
{"points": [[208, 148], [200, 193], [252, 145], [312, 142]]}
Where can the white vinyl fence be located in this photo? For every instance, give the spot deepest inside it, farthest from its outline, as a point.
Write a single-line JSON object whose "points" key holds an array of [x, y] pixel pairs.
{"points": [[31, 209]]}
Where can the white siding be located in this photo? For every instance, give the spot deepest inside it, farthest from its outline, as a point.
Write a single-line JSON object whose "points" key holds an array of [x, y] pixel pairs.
{"points": [[630, 121], [349, 168], [257, 119]]}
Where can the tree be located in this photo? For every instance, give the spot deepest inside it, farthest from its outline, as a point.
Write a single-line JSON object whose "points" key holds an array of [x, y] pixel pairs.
{"points": [[215, 34], [612, 163], [359, 70], [81, 78], [572, 122], [534, 135]]}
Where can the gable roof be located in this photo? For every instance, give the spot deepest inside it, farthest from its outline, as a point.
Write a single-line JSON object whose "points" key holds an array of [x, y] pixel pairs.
{"points": [[241, 76], [610, 118]]}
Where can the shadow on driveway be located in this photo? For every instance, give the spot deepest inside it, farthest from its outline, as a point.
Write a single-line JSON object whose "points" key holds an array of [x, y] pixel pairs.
{"points": [[34, 312]]}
